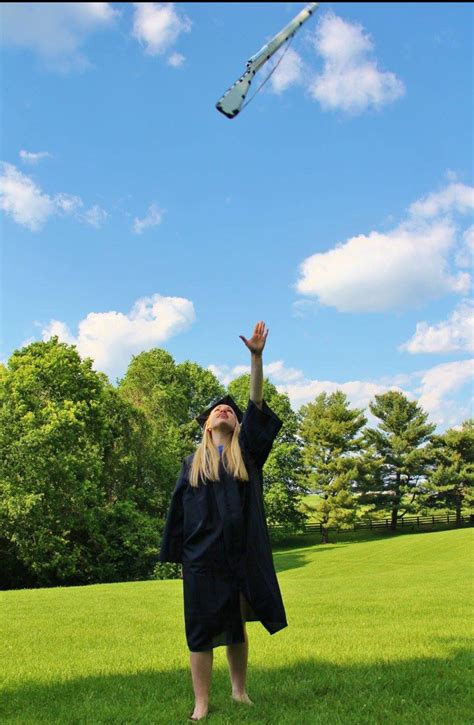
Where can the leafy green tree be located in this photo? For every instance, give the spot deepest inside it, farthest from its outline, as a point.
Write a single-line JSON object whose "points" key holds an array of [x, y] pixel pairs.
{"points": [[201, 389], [450, 481], [131, 483], [281, 487], [329, 431], [49, 466], [400, 461], [78, 496], [49, 422], [151, 384], [170, 396]]}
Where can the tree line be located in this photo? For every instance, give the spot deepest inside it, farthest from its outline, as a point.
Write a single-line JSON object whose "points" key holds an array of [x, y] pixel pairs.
{"points": [[87, 468]]}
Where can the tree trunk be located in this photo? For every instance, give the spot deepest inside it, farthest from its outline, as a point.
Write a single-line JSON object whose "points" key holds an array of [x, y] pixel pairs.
{"points": [[393, 522], [458, 514], [396, 503], [325, 536]]}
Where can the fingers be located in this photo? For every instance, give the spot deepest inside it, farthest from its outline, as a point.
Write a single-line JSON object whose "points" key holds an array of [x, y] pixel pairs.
{"points": [[258, 331]]}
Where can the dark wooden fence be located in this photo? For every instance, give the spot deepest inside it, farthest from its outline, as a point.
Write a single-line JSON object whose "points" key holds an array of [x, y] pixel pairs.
{"points": [[402, 521]]}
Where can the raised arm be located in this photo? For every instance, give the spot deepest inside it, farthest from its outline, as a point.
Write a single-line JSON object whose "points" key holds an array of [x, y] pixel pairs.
{"points": [[260, 424], [256, 345]]}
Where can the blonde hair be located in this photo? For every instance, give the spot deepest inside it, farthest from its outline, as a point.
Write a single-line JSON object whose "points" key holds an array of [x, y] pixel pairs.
{"points": [[205, 463]]}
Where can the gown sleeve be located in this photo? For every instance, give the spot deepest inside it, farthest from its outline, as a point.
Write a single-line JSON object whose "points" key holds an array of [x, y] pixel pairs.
{"points": [[258, 430], [171, 547]]}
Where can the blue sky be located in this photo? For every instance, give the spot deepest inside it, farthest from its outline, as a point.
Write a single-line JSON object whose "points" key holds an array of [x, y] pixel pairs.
{"points": [[337, 207]]}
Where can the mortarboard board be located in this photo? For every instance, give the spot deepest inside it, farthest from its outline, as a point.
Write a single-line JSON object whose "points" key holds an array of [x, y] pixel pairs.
{"points": [[227, 400]]}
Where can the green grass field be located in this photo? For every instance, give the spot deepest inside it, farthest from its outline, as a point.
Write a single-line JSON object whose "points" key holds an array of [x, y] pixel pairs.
{"points": [[380, 631]]}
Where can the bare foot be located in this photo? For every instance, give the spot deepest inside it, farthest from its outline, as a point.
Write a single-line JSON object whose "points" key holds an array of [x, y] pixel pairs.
{"points": [[199, 712], [242, 697]]}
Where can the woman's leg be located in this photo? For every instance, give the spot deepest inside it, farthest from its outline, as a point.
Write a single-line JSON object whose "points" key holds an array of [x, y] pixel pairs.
{"points": [[237, 656], [201, 671]]}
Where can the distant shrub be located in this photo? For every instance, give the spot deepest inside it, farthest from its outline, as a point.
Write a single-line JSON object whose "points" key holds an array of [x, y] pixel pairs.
{"points": [[167, 570]]}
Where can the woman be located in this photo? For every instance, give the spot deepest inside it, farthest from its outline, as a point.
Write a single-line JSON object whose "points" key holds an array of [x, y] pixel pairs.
{"points": [[216, 528]]}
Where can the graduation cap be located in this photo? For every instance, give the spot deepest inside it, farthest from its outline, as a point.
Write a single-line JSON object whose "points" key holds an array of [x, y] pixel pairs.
{"points": [[226, 400]]}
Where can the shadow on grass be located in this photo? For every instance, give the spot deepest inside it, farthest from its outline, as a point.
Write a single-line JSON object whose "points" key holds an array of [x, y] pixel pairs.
{"points": [[308, 692]]}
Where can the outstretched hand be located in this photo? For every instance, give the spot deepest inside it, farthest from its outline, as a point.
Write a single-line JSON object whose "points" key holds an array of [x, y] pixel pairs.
{"points": [[258, 339]]}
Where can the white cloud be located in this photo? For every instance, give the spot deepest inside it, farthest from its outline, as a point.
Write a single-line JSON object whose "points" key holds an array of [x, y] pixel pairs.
{"points": [[289, 71], [454, 198], [30, 157], [382, 271], [452, 335], [68, 203], [438, 384], [55, 31], [152, 218], [359, 392], [300, 389], [434, 389], [276, 370], [23, 200], [158, 26], [469, 238], [280, 373], [465, 254], [95, 216], [225, 374], [56, 327], [304, 308], [111, 338], [175, 60], [350, 80]]}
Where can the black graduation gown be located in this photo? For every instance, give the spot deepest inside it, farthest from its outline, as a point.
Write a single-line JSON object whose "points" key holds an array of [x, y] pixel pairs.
{"points": [[219, 533]]}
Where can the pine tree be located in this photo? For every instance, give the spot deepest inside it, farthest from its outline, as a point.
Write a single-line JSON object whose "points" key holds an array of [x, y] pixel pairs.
{"points": [[401, 461], [451, 480], [328, 429]]}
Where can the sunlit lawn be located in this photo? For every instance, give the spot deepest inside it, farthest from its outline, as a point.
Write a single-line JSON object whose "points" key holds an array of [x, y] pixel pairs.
{"points": [[379, 632]]}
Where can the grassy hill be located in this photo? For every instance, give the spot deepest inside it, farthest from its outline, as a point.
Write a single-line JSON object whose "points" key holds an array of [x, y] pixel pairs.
{"points": [[379, 632]]}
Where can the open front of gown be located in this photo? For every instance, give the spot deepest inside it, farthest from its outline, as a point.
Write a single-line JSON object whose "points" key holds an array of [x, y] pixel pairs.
{"points": [[219, 533]]}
